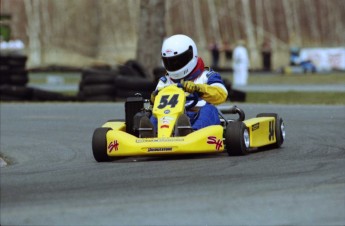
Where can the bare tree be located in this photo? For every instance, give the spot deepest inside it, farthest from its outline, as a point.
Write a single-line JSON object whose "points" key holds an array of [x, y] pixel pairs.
{"points": [[234, 20], [151, 33], [199, 24], [270, 20], [214, 20], [249, 29], [312, 20], [114, 31], [259, 21], [32, 9], [288, 15]]}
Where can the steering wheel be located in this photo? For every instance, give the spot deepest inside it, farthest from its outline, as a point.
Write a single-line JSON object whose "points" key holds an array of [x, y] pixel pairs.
{"points": [[194, 97]]}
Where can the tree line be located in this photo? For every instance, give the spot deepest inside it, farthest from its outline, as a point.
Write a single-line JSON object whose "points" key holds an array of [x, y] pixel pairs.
{"points": [[113, 31]]}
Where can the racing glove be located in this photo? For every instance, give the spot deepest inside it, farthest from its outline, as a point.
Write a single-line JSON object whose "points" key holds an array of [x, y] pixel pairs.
{"points": [[191, 87], [213, 94]]}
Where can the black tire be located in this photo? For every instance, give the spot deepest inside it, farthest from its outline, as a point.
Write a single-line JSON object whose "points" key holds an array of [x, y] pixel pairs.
{"points": [[98, 98], [139, 84], [19, 80], [96, 90], [17, 62], [10, 98], [21, 92], [278, 129], [235, 139], [44, 95], [128, 71], [98, 79], [99, 145], [96, 72], [5, 80], [237, 95], [137, 67]]}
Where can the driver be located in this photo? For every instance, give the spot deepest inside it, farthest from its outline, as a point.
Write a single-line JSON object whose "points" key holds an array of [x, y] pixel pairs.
{"points": [[181, 61]]}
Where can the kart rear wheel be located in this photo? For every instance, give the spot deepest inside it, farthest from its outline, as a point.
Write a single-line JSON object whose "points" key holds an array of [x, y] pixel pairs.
{"points": [[237, 140], [279, 128], [99, 145]]}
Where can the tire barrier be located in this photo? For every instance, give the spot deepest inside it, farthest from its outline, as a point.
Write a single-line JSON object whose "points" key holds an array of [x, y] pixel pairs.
{"points": [[97, 85], [15, 93], [44, 95], [233, 94], [111, 85], [158, 72], [13, 71], [23, 93], [14, 78], [133, 68]]}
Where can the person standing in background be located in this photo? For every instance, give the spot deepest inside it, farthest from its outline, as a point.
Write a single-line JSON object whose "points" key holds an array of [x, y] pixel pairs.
{"points": [[227, 49], [240, 64], [214, 50], [266, 54]]}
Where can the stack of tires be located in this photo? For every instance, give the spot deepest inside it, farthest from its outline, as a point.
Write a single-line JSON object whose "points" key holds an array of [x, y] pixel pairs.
{"points": [[97, 85], [234, 95], [132, 79], [115, 84], [14, 78]]}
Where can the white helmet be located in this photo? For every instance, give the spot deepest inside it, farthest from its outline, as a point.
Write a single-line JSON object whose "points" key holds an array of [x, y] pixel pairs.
{"points": [[180, 56]]}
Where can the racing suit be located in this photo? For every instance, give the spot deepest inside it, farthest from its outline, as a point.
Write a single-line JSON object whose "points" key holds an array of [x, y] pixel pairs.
{"points": [[213, 93]]}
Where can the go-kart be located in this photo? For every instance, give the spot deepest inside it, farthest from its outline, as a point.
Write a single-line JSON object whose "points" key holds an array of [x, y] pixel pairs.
{"points": [[121, 138]]}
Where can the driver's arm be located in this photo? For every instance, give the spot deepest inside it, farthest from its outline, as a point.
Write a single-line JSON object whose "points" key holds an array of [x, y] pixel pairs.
{"points": [[215, 93]]}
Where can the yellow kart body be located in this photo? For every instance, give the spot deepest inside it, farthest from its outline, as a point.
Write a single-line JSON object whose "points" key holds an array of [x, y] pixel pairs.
{"points": [[114, 140]]}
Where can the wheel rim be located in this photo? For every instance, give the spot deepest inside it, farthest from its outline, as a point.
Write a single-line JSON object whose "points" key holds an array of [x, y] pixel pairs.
{"points": [[246, 138], [282, 129]]}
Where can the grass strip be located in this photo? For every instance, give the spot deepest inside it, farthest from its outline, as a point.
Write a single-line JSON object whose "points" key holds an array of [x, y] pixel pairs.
{"points": [[292, 97]]}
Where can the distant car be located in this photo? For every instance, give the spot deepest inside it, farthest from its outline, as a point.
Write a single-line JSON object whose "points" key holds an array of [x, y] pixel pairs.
{"points": [[119, 138]]}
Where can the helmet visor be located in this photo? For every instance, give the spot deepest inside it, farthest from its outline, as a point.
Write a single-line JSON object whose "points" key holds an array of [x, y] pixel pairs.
{"points": [[177, 62]]}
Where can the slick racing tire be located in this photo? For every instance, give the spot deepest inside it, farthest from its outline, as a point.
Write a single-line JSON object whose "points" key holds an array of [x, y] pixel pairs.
{"points": [[99, 145], [279, 128], [237, 140]]}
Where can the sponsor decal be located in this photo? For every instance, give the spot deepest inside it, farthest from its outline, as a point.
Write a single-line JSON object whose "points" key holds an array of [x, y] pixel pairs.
{"points": [[168, 51], [255, 126], [213, 140], [165, 121], [114, 145], [147, 140], [159, 149], [166, 112]]}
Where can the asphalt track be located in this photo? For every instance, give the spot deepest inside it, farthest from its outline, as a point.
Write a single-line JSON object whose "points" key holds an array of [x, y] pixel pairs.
{"points": [[52, 178]]}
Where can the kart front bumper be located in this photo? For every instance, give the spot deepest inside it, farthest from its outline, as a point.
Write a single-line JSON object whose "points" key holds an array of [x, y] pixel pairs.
{"points": [[206, 140]]}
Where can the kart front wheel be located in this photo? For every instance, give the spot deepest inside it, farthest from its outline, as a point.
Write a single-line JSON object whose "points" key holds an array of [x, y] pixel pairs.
{"points": [[237, 140], [99, 145]]}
